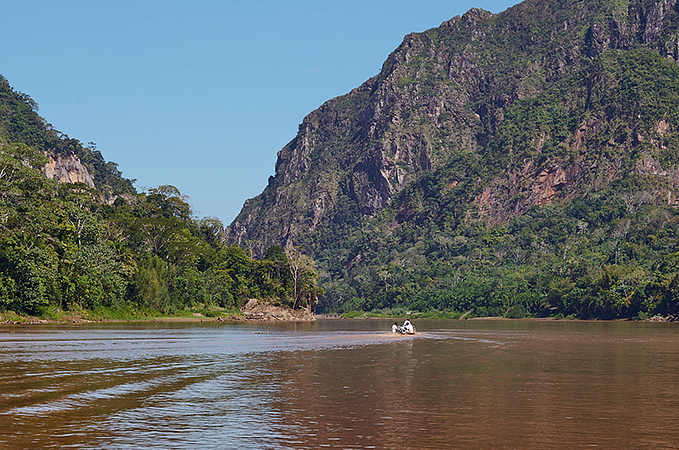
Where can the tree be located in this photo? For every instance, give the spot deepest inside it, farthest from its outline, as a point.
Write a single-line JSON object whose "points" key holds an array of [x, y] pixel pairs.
{"points": [[303, 277], [19, 163]]}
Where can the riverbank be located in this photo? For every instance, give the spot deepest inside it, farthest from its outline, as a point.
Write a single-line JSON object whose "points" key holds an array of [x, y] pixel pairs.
{"points": [[434, 315], [253, 311], [262, 312], [396, 314], [12, 318]]}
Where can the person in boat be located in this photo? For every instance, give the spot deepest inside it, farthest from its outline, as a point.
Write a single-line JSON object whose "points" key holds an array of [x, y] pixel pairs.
{"points": [[395, 328], [408, 327]]}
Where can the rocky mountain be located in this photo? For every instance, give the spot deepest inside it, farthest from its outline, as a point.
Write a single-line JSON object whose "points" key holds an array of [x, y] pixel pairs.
{"points": [[479, 121], [445, 93]]}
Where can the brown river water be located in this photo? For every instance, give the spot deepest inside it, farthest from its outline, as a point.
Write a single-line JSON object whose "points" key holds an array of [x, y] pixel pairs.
{"points": [[341, 384]]}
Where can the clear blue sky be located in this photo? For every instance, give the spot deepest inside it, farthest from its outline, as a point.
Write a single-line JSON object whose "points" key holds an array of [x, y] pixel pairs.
{"points": [[201, 94]]}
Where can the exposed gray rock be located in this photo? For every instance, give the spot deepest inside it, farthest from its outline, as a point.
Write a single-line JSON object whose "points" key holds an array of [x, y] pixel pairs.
{"points": [[67, 169]]}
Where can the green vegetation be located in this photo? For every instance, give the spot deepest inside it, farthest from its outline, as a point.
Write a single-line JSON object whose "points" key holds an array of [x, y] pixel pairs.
{"points": [[610, 256], [114, 253]]}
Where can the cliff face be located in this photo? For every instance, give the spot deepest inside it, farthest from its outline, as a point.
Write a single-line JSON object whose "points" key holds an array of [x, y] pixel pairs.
{"points": [[67, 169], [482, 87]]}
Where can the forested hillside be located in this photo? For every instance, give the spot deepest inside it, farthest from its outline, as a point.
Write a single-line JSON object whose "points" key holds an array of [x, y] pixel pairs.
{"points": [[518, 164], [103, 246]]}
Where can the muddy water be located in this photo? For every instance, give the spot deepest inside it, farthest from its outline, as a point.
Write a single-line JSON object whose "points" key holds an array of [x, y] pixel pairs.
{"points": [[341, 384]]}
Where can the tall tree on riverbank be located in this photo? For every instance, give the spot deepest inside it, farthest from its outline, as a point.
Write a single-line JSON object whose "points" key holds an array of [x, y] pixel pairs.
{"points": [[303, 276]]}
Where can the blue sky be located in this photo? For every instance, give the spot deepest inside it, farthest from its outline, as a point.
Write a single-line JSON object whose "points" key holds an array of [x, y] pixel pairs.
{"points": [[201, 94]]}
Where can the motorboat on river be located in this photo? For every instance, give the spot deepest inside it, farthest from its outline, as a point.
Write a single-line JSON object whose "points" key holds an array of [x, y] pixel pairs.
{"points": [[406, 328]]}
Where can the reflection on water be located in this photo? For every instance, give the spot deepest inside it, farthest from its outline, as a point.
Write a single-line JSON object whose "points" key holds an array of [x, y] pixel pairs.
{"points": [[341, 384]]}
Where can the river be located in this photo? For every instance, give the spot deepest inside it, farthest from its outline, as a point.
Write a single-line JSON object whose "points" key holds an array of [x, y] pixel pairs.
{"points": [[346, 384]]}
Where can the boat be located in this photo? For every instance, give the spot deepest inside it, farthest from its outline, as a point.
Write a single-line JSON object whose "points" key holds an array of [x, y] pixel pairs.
{"points": [[406, 328]]}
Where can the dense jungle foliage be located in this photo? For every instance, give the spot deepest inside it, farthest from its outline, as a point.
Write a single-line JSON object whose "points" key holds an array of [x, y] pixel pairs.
{"points": [[67, 246], [610, 255]]}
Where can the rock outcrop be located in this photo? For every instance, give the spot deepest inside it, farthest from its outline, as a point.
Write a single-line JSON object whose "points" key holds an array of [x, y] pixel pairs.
{"points": [[265, 311], [68, 169]]}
